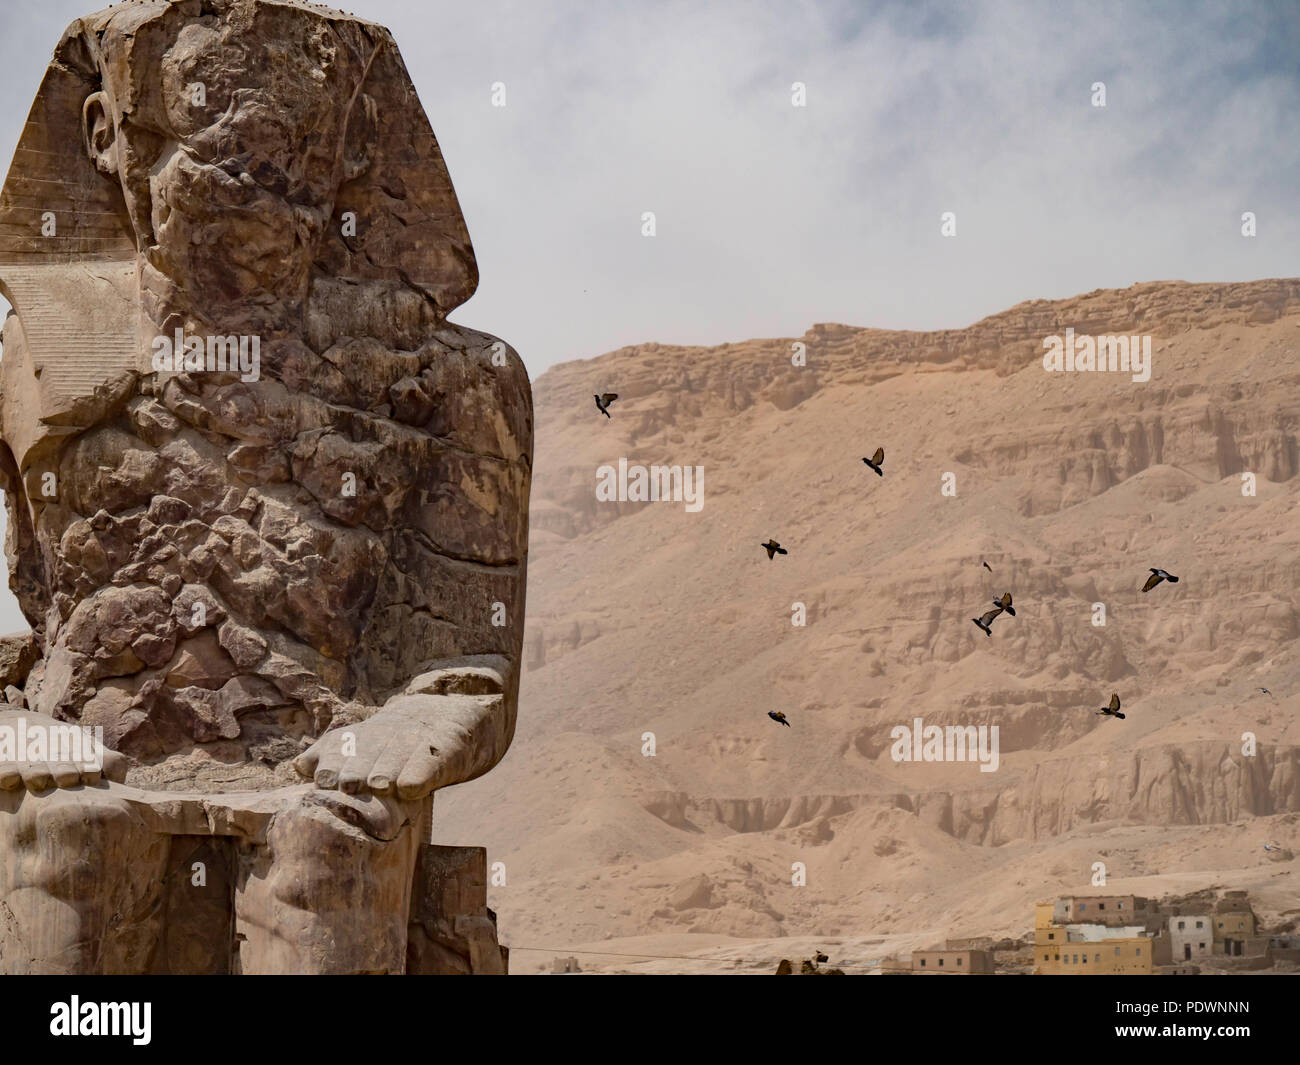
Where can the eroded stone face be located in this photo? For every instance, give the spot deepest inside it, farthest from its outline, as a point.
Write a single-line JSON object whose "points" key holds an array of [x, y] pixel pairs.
{"points": [[247, 158], [229, 561]]}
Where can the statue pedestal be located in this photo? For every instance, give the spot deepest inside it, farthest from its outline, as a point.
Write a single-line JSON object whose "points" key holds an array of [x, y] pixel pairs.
{"points": [[187, 884], [452, 931]]}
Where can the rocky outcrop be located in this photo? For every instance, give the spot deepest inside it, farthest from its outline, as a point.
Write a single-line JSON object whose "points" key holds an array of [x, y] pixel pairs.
{"points": [[760, 815], [547, 641], [1188, 784], [18, 653], [1194, 784]]}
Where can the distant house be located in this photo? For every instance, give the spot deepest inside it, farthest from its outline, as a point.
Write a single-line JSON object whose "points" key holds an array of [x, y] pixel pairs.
{"points": [[565, 965], [1191, 935], [951, 958], [952, 962], [1102, 909]]}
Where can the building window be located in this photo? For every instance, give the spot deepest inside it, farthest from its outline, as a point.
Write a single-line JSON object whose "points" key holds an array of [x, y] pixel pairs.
{"points": [[940, 963], [1117, 952], [1182, 925], [1101, 905], [1076, 959], [1085, 959], [1200, 946], [1051, 935], [958, 961], [1119, 905], [1082, 906], [922, 963], [1199, 925], [1139, 952], [1096, 957]]}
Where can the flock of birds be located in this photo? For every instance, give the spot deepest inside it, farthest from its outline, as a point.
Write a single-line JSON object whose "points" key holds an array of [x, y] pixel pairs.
{"points": [[984, 621]]}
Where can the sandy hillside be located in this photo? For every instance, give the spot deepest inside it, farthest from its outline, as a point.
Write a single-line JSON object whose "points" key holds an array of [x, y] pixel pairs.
{"points": [[644, 617]]}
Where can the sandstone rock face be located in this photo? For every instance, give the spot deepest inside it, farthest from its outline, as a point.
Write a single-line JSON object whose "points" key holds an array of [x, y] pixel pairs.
{"points": [[18, 653], [257, 485]]}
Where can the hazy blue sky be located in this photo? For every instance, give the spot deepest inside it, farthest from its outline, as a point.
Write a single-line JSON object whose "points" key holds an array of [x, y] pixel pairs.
{"points": [[772, 217]]}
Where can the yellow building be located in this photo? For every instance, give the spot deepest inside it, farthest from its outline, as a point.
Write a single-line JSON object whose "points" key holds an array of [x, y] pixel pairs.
{"points": [[1081, 949]]}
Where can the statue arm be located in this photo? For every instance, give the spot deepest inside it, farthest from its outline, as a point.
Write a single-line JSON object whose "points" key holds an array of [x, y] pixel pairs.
{"points": [[455, 720]]}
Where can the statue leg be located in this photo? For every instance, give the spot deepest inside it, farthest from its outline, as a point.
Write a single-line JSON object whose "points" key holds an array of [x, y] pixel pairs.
{"points": [[81, 883], [330, 889]]}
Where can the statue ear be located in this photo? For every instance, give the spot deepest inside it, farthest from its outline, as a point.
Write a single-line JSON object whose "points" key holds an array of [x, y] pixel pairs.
{"points": [[100, 134], [396, 216]]}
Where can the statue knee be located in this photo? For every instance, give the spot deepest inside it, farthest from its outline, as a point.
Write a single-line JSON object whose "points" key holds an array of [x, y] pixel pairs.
{"points": [[69, 843]]}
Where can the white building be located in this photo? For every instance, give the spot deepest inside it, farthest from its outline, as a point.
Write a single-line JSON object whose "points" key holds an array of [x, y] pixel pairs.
{"points": [[1191, 935]]}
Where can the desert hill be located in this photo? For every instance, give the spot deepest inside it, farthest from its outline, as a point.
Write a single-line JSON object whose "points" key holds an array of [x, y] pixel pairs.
{"points": [[645, 617]]}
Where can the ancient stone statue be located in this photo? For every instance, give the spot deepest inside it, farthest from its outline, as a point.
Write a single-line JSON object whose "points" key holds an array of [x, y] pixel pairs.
{"points": [[267, 507]]}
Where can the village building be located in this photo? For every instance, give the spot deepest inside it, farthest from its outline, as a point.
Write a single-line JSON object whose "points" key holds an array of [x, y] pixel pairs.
{"points": [[1102, 909], [1191, 935]]}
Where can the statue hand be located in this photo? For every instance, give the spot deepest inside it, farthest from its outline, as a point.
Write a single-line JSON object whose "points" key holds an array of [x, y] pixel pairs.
{"points": [[19, 769], [414, 745]]}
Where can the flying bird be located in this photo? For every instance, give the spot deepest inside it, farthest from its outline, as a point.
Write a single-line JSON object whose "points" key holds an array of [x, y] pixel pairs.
{"points": [[604, 400], [986, 620], [778, 715], [1113, 709], [986, 565], [1158, 575], [773, 549], [1005, 603], [1266, 691], [875, 460]]}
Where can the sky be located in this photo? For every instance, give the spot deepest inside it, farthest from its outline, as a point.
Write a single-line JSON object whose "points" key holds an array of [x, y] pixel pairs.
{"points": [[771, 217]]}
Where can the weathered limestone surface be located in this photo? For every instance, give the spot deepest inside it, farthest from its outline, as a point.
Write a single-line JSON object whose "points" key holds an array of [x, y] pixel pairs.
{"points": [[296, 554], [452, 930]]}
